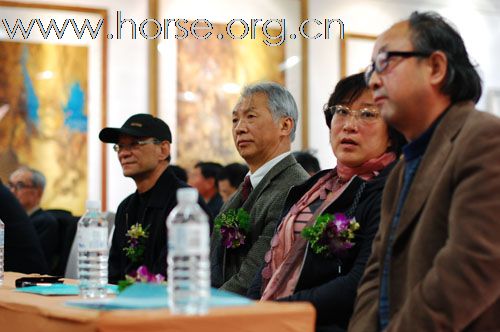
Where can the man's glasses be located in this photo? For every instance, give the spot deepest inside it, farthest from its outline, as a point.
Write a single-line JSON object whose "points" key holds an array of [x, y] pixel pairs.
{"points": [[340, 114], [19, 185], [382, 61], [135, 144]]}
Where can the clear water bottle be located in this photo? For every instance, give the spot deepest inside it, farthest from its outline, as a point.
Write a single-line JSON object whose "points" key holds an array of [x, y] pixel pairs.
{"points": [[92, 236], [2, 242], [188, 256]]}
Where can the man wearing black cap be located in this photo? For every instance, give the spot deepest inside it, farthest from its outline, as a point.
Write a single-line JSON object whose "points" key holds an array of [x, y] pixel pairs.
{"points": [[143, 148]]}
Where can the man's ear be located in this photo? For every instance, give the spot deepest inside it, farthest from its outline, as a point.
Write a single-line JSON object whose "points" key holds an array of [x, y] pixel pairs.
{"points": [[438, 63], [164, 150], [286, 125]]}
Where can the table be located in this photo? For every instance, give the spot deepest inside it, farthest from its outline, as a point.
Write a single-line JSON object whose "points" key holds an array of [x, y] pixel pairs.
{"points": [[30, 312]]}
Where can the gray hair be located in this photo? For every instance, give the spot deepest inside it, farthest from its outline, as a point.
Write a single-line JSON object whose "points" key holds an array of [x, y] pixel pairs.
{"points": [[280, 101], [37, 177]]}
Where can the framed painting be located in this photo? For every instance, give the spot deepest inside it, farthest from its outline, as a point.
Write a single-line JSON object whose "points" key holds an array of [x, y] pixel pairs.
{"points": [[355, 53], [53, 99], [200, 79]]}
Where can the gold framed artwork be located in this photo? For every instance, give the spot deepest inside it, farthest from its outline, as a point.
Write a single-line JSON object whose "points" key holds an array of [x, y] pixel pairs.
{"points": [[53, 99], [355, 53], [200, 79]]}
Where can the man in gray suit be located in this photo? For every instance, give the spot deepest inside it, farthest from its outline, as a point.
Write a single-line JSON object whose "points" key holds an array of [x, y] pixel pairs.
{"points": [[264, 123]]}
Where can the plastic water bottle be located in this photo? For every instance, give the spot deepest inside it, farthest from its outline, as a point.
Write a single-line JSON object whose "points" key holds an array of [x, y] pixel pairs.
{"points": [[92, 252], [188, 256], [2, 241]]}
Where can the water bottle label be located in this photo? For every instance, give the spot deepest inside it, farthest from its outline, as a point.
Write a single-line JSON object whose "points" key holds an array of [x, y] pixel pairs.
{"points": [[190, 239], [2, 238], [93, 238]]}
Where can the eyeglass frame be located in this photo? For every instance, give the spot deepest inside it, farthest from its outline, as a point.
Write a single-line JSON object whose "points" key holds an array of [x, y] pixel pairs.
{"points": [[19, 185], [135, 144], [376, 65], [330, 112]]}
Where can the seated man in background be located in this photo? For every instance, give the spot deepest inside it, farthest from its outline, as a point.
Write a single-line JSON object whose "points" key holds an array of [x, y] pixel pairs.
{"points": [[28, 184], [308, 161], [22, 250], [229, 179], [203, 177], [143, 148], [264, 122]]}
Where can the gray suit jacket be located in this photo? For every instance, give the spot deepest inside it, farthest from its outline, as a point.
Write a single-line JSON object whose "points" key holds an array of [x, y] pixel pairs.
{"points": [[234, 269]]}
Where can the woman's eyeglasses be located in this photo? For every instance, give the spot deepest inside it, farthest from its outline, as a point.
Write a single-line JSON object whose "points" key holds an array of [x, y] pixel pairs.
{"points": [[340, 114]]}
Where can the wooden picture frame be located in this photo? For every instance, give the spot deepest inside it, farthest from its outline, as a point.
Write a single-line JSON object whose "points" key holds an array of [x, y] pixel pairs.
{"points": [[355, 53], [66, 75]]}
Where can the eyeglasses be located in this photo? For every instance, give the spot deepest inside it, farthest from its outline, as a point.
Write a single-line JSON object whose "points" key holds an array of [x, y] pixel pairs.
{"points": [[19, 185], [134, 145], [382, 61], [340, 113]]}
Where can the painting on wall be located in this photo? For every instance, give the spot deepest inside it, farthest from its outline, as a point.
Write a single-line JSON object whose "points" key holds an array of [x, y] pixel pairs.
{"points": [[44, 88], [355, 53], [210, 76], [52, 103]]}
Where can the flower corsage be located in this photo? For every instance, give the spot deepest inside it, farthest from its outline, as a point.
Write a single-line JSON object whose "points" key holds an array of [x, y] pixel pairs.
{"points": [[331, 234], [233, 226], [141, 275], [136, 242]]}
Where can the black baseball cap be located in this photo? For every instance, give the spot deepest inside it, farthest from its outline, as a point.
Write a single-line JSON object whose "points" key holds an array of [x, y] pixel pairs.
{"points": [[138, 125]]}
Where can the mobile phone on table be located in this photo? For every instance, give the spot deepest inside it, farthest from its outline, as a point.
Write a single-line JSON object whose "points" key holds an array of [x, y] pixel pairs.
{"points": [[37, 281]]}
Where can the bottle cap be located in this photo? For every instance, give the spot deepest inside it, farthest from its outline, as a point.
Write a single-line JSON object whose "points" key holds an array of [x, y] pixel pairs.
{"points": [[93, 205], [187, 195]]}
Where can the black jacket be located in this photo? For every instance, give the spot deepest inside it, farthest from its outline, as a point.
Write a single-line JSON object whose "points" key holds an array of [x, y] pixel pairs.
{"points": [[330, 283], [22, 249], [161, 202], [47, 228]]}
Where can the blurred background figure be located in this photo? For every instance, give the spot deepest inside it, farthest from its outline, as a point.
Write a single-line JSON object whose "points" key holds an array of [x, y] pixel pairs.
{"points": [[203, 177], [28, 184], [308, 161], [179, 172], [230, 178], [23, 252]]}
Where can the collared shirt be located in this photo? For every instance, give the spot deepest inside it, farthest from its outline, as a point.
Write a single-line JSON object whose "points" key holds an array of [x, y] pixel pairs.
{"points": [[259, 174], [413, 153]]}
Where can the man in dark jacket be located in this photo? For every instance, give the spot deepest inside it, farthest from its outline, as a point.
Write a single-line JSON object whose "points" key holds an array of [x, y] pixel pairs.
{"points": [[143, 147], [22, 250], [28, 185]]}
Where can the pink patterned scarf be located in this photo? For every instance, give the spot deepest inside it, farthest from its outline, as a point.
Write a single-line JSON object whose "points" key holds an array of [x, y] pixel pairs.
{"points": [[282, 270]]}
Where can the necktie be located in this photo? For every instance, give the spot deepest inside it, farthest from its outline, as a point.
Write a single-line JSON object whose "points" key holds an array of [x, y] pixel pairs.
{"points": [[246, 189]]}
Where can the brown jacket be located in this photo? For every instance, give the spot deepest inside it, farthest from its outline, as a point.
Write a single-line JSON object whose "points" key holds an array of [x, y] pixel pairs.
{"points": [[445, 265]]}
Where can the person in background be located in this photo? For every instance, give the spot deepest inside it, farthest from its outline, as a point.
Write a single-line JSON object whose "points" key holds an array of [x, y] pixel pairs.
{"points": [[143, 148], [203, 177], [179, 172], [435, 264], [22, 249], [229, 179], [264, 123], [28, 185], [365, 149], [308, 161]]}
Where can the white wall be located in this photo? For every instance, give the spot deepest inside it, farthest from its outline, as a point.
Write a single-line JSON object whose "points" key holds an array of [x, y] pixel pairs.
{"points": [[477, 21]]}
